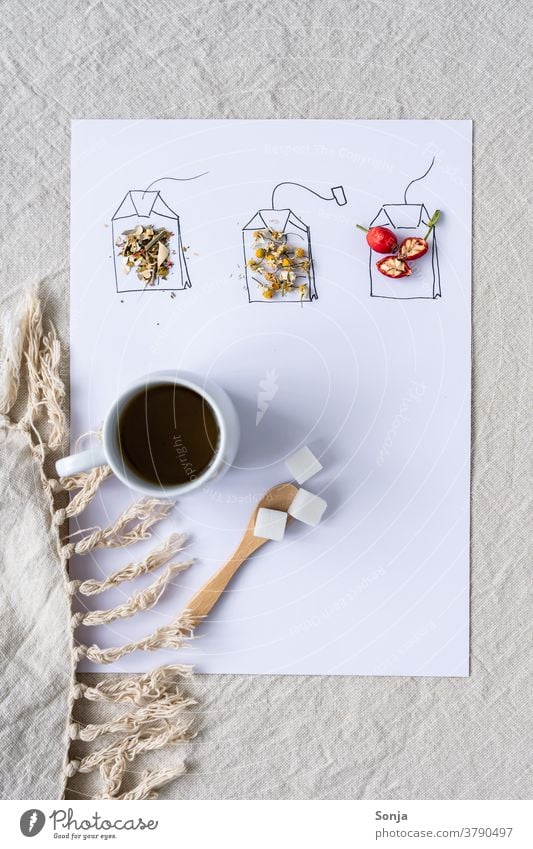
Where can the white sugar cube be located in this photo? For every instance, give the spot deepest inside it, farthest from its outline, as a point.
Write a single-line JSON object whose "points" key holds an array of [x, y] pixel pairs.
{"points": [[270, 524], [307, 507], [303, 465]]}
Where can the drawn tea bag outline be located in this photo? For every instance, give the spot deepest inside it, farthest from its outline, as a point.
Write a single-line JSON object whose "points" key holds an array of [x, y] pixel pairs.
{"points": [[280, 219], [424, 283], [145, 206]]}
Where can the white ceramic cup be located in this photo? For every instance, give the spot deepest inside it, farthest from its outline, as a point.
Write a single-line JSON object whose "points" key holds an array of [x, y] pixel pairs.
{"points": [[108, 452]]}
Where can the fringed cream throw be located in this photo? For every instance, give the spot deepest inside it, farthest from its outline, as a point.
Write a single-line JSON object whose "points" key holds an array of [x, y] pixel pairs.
{"points": [[40, 692]]}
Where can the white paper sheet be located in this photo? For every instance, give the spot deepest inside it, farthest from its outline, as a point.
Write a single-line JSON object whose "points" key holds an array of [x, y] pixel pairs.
{"points": [[373, 376]]}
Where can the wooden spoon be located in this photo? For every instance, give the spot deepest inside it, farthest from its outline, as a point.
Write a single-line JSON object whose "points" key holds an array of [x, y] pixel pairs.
{"points": [[277, 498]]}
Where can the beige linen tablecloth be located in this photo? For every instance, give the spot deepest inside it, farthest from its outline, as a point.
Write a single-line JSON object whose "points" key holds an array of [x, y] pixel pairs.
{"points": [[296, 737]]}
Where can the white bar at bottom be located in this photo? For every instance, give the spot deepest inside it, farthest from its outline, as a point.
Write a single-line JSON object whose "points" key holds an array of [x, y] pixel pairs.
{"points": [[271, 824]]}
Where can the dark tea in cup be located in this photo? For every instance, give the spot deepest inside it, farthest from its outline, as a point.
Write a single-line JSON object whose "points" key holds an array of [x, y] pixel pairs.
{"points": [[168, 434]]}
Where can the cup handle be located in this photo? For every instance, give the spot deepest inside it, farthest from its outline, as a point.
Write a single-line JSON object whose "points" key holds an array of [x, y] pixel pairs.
{"points": [[81, 462]]}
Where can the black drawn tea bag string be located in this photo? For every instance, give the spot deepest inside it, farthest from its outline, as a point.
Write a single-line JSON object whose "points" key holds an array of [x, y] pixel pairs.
{"points": [[337, 193], [416, 180], [182, 260], [174, 179], [436, 215]]}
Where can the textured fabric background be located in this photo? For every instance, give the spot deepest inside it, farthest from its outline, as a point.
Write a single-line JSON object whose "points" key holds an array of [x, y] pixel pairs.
{"points": [[34, 637], [322, 737]]}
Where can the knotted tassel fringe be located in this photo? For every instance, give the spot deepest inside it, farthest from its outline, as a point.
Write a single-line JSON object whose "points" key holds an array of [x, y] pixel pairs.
{"points": [[88, 487], [51, 387], [155, 685], [160, 720], [133, 721], [112, 774], [84, 480], [143, 600], [154, 560], [145, 740], [152, 780], [170, 636], [33, 370], [146, 512], [24, 343]]}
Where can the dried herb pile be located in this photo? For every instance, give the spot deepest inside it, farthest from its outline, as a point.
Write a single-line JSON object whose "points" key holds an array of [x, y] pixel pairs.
{"points": [[280, 266], [147, 251]]}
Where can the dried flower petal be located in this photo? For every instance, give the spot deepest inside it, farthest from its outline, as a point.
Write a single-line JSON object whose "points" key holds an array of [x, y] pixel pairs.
{"points": [[162, 253]]}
